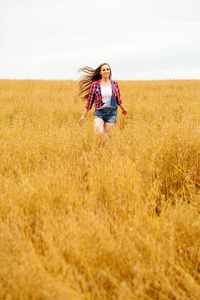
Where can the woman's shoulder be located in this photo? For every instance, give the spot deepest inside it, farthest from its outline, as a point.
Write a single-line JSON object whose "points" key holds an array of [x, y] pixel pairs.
{"points": [[115, 82], [97, 82]]}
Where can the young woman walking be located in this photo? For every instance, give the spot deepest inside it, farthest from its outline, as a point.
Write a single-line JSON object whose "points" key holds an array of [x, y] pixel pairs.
{"points": [[97, 87]]}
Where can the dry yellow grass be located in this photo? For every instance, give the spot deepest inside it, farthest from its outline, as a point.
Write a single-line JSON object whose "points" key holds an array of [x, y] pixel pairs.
{"points": [[79, 221]]}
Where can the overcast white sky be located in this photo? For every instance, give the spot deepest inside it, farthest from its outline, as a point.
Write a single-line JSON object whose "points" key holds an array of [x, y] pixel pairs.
{"points": [[140, 39]]}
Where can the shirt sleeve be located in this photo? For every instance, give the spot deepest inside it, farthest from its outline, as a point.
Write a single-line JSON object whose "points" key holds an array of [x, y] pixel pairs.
{"points": [[117, 93], [91, 96]]}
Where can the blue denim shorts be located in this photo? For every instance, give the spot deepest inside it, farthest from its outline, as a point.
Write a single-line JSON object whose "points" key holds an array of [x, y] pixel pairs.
{"points": [[107, 115]]}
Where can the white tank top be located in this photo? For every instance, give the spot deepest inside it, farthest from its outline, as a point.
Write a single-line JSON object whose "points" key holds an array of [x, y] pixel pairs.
{"points": [[106, 92]]}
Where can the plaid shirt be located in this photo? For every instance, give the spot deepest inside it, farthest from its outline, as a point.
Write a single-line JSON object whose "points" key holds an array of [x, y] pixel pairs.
{"points": [[95, 94]]}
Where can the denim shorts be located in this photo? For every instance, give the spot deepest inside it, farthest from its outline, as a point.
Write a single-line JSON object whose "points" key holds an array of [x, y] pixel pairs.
{"points": [[107, 115]]}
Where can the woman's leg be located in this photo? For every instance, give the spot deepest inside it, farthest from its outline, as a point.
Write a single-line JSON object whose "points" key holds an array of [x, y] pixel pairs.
{"points": [[110, 122], [99, 125], [108, 127], [99, 129]]}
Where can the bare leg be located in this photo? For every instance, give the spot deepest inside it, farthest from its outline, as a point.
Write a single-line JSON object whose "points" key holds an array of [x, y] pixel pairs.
{"points": [[108, 127], [99, 126], [103, 129], [99, 129]]}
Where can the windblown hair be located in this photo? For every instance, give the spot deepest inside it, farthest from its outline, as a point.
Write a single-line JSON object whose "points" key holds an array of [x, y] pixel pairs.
{"points": [[88, 78]]}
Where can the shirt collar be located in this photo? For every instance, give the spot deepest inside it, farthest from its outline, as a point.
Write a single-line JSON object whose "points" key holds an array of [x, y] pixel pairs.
{"points": [[99, 84]]}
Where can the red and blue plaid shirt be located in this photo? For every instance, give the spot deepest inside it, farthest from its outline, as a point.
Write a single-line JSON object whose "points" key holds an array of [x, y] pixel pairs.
{"points": [[95, 94]]}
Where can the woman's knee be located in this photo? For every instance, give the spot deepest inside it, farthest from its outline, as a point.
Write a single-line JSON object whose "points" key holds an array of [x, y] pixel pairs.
{"points": [[99, 129]]}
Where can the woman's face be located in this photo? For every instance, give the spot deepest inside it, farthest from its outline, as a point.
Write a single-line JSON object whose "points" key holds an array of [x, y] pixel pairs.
{"points": [[105, 71]]}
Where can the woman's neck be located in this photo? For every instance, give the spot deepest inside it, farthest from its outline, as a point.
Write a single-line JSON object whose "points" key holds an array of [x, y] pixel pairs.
{"points": [[105, 82]]}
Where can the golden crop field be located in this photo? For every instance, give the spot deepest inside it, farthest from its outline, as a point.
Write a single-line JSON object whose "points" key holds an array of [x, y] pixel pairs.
{"points": [[83, 221]]}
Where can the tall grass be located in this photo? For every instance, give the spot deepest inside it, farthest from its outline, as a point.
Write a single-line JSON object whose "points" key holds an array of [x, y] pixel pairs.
{"points": [[81, 221]]}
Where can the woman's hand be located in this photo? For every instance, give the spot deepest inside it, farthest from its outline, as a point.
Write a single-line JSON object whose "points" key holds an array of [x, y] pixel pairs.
{"points": [[83, 116], [81, 119], [124, 111]]}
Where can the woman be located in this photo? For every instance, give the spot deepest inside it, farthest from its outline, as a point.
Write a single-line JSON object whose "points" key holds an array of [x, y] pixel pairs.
{"points": [[97, 87]]}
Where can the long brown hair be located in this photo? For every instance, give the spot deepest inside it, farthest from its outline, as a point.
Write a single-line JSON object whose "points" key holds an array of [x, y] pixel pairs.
{"points": [[88, 78]]}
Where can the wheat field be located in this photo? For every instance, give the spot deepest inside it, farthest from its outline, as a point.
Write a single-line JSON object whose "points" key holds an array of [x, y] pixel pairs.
{"points": [[83, 221]]}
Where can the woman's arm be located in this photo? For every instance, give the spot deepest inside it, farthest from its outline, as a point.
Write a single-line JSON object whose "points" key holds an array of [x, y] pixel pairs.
{"points": [[91, 97], [119, 100], [124, 110], [90, 101], [117, 93]]}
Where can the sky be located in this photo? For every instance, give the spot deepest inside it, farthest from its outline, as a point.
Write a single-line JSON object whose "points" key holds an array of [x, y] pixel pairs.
{"points": [[140, 39]]}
